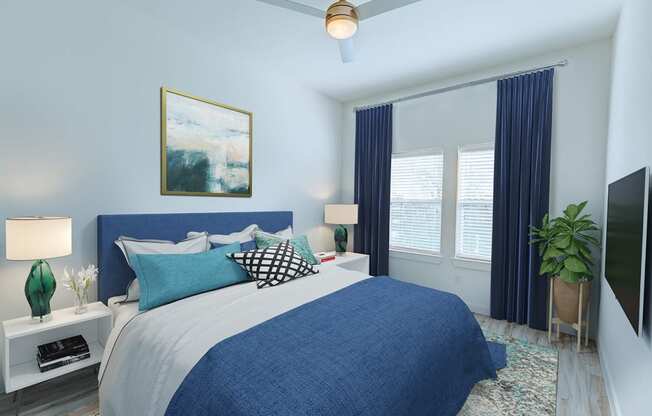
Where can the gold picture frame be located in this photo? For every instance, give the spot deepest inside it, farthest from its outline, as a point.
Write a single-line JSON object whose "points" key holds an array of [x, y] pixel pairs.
{"points": [[207, 149]]}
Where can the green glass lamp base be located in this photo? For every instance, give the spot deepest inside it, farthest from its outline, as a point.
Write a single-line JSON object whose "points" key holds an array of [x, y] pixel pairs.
{"points": [[39, 288], [341, 239]]}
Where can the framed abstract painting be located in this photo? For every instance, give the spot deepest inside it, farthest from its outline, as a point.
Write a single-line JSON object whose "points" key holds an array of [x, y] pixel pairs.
{"points": [[205, 147]]}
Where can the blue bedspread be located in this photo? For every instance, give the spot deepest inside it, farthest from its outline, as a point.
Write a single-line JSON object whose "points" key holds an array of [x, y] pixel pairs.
{"points": [[377, 347]]}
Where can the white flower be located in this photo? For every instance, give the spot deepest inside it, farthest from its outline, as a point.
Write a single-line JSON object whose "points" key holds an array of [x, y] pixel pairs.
{"points": [[69, 281], [80, 282]]}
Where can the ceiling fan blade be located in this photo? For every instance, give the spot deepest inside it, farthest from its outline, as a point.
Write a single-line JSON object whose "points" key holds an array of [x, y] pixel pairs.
{"points": [[296, 7], [347, 51], [375, 7]]}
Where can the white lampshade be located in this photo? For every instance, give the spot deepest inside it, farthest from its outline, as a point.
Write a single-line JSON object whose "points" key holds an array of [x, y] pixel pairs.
{"points": [[38, 238], [341, 214]]}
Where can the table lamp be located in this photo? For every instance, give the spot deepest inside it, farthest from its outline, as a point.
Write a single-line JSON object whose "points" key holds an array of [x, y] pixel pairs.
{"points": [[38, 238], [341, 215]]}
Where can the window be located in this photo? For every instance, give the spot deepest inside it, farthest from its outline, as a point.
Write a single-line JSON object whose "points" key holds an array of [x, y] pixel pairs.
{"points": [[415, 216], [475, 193]]}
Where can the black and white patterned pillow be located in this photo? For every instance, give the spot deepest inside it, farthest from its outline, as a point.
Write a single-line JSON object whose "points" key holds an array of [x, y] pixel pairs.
{"points": [[274, 265]]}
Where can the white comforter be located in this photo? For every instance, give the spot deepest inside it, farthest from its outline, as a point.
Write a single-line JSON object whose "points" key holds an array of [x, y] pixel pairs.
{"points": [[149, 354]]}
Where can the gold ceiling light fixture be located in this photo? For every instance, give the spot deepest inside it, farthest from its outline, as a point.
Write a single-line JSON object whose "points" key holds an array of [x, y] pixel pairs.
{"points": [[341, 20]]}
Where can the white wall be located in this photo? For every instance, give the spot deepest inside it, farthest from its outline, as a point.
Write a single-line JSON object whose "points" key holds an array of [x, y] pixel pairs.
{"points": [[439, 121], [468, 116], [79, 125], [626, 358]]}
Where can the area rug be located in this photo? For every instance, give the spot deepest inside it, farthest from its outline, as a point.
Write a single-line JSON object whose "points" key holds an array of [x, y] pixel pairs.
{"points": [[527, 386]]}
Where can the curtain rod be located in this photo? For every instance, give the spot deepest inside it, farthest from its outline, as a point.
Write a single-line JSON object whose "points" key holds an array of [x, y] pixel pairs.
{"points": [[462, 85]]}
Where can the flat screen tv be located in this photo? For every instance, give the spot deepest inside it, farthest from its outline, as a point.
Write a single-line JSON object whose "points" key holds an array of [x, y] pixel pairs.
{"points": [[627, 217]]}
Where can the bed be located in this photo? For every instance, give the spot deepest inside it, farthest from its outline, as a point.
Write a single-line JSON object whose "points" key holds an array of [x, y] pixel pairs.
{"points": [[336, 343]]}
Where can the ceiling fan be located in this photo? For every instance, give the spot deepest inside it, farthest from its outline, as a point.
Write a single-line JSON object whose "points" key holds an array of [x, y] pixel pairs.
{"points": [[342, 18]]}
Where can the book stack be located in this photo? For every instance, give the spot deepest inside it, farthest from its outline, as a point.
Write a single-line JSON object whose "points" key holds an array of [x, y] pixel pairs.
{"points": [[325, 256], [63, 352]]}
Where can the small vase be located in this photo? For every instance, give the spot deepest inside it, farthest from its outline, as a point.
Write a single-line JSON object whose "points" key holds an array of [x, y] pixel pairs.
{"points": [[81, 303]]}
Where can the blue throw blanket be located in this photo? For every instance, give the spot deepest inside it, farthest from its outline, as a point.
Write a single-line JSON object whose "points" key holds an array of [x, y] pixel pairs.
{"points": [[377, 347]]}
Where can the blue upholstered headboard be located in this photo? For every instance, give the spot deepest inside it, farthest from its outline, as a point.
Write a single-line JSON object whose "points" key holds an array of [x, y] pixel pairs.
{"points": [[115, 274]]}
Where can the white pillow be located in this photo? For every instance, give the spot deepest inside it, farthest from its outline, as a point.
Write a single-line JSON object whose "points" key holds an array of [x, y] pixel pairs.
{"points": [[130, 246], [225, 239], [133, 292], [243, 236], [285, 234]]}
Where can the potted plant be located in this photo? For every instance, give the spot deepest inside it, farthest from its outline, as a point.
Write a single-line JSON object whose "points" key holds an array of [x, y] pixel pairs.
{"points": [[565, 247]]}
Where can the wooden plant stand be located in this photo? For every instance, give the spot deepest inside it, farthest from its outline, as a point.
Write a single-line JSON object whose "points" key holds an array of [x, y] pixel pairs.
{"points": [[580, 327]]}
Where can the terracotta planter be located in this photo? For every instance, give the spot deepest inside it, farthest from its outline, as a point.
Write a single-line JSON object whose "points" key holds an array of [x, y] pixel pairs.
{"points": [[566, 298]]}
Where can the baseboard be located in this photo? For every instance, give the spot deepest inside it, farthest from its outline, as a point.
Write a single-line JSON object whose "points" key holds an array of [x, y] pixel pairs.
{"points": [[614, 407], [479, 309]]}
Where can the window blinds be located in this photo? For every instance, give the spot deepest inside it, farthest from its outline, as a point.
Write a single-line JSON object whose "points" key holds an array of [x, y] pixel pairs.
{"points": [[475, 178], [416, 196]]}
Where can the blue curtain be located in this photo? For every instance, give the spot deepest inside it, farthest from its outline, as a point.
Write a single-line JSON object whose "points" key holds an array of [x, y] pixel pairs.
{"points": [[373, 168], [521, 194]]}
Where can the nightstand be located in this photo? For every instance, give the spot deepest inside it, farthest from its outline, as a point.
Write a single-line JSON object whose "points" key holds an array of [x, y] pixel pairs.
{"points": [[351, 261], [21, 336]]}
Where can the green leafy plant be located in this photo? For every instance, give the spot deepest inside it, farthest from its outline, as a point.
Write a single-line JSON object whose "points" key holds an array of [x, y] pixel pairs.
{"points": [[565, 244]]}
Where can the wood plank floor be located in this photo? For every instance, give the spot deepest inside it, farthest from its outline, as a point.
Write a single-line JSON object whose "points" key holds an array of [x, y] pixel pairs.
{"points": [[580, 389], [580, 386]]}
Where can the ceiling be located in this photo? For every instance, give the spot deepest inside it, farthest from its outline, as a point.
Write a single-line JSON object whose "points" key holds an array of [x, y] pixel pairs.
{"points": [[414, 44], [323, 4]]}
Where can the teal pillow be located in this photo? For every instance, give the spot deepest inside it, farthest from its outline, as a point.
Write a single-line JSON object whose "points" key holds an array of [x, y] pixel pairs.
{"points": [[300, 244], [165, 278]]}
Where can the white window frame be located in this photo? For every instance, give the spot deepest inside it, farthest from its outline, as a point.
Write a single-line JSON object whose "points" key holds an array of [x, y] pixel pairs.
{"points": [[424, 152], [461, 148]]}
